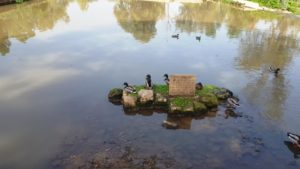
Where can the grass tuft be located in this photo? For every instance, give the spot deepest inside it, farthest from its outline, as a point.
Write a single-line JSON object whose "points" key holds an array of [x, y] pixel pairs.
{"points": [[162, 89], [207, 89], [182, 102]]}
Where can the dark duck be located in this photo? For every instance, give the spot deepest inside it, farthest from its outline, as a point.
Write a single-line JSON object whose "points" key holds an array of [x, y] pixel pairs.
{"points": [[274, 70], [167, 80], [199, 86], [148, 82], [295, 139], [128, 88], [175, 36]]}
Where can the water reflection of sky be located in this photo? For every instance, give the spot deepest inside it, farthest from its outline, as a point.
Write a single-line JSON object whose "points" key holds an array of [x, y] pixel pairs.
{"points": [[54, 81]]}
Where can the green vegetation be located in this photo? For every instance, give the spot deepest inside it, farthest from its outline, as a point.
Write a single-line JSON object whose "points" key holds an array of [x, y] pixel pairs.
{"points": [[182, 102], [115, 91], [207, 89], [209, 99], [199, 107], [290, 5], [20, 1], [158, 88], [115, 95], [205, 99], [162, 89]]}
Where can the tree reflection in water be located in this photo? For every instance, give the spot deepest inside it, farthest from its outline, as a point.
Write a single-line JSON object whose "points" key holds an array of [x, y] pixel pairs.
{"points": [[22, 23], [139, 17]]}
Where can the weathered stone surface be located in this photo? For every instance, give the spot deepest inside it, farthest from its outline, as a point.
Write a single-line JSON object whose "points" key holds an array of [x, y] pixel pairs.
{"points": [[145, 96], [210, 100], [129, 101], [160, 100], [182, 85], [199, 107], [115, 95]]}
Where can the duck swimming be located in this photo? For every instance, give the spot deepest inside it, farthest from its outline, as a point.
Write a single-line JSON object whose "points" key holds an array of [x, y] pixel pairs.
{"points": [[295, 139], [232, 102], [294, 149], [148, 82], [167, 80], [274, 70], [198, 38], [128, 88], [175, 36]]}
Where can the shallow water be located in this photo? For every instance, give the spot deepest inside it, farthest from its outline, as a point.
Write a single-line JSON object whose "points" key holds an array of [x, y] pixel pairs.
{"points": [[59, 58]]}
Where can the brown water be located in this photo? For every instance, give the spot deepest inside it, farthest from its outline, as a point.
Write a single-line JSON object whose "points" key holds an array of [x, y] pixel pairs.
{"points": [[59, 58]]}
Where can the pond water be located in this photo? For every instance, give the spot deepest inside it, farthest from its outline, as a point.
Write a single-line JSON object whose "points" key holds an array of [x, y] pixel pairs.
{"points": [[60, 58]]}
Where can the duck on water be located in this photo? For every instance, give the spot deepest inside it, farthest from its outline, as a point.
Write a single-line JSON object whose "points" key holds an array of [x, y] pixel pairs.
{"points": [[232, 102], [274, 70], [295, 139], [175, 36]]}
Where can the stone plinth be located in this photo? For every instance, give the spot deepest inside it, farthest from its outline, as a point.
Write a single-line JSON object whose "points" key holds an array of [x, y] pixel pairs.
{"points": [[182, 85]]}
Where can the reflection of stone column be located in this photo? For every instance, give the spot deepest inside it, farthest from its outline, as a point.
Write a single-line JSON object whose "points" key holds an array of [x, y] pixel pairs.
{"points": [[37, 15]]}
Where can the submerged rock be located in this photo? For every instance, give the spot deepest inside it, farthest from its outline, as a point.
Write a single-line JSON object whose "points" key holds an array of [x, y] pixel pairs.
{"points": [[115, 95]]}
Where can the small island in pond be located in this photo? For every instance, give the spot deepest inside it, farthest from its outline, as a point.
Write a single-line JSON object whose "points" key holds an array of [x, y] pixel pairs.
{"points": [[173, 98]]}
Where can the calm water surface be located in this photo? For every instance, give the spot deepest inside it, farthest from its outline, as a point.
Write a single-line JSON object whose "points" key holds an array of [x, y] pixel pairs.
{"points": [[59, 58]]}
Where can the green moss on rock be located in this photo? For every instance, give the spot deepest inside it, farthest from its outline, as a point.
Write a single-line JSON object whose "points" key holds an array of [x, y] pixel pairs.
{"points": [[209, 99], [207, 89], [181, 105], [206, 98], [115, 94], [199, 107], [220, 93]]}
